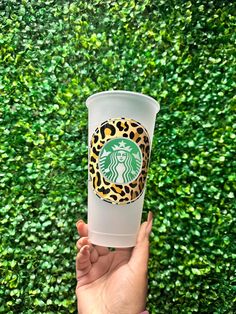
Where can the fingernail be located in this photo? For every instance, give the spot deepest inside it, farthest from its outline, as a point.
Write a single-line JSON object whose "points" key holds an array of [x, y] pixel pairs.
{"points": [[150, 218], [78, 222], [149, 223], [85, 249]]}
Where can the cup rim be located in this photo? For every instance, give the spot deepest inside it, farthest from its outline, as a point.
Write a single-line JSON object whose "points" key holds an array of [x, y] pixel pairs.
{"points": [[150, 100]]}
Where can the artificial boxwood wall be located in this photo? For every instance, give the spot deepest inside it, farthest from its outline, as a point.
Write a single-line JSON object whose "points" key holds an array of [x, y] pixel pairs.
{"points": [[53, 55]]}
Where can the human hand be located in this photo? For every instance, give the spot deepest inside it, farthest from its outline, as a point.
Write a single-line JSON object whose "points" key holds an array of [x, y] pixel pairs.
{"points": [[112, 282]]}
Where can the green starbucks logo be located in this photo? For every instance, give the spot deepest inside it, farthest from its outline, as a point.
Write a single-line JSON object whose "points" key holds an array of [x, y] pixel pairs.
{"points": [[120, 161]]}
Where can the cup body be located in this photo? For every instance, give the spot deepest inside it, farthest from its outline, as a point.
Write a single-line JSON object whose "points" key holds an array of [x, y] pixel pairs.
{"points": [[121, 126]]}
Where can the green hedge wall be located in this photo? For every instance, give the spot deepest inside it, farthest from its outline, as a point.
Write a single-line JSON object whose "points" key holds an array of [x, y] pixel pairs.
{"points": [[53, 55]]}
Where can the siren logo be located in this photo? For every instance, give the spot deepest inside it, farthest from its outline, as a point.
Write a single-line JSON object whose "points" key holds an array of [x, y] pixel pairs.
{"points": [[120, 161]]}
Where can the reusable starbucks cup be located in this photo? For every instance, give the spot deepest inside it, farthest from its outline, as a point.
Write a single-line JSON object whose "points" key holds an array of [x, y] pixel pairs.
{"points": [[121, 126]]}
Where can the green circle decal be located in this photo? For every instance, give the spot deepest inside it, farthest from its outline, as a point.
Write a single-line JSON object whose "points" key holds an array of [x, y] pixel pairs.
{"points": [[120, 160]]}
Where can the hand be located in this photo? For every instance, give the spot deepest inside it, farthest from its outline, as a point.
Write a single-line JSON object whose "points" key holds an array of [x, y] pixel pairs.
{"points": [[112, 282]]}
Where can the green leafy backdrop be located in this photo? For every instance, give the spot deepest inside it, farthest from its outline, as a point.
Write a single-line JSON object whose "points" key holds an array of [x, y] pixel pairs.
{"points": [[53, 55]]}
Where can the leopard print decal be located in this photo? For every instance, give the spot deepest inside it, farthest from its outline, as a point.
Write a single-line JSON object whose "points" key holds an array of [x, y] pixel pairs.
{"points": [[118, 160]]}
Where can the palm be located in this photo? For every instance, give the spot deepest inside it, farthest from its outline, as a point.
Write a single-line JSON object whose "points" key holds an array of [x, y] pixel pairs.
{"points": [[109, 282]]}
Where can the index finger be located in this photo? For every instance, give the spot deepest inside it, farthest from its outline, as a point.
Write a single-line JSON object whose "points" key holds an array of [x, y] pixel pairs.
{"points": [[82, 228], [140, 254]]}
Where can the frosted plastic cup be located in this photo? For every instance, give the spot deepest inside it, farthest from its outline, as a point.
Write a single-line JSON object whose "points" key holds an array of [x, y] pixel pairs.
{"points": [[121, 126]]}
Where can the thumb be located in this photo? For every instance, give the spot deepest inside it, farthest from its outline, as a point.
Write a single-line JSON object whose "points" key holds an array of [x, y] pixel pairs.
{"points": [[139, 258]]}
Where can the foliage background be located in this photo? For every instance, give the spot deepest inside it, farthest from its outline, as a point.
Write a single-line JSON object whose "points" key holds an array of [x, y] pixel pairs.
{"points": [[53, 55]]}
